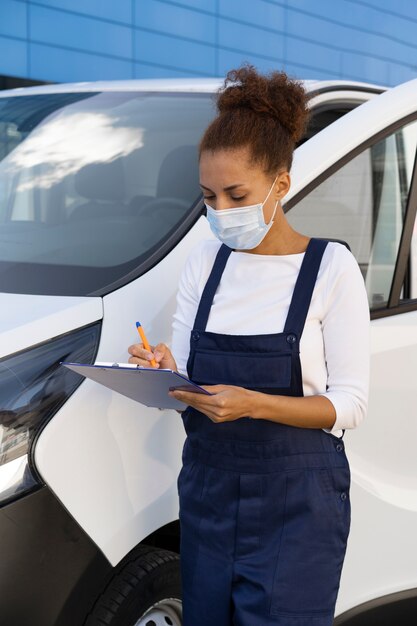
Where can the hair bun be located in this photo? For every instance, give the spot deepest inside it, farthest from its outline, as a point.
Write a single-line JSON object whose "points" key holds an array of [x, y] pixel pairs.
{"points": [[274, 94]]}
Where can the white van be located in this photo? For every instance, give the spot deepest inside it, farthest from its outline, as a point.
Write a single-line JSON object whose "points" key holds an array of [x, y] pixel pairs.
{"points": [[99, 208]]}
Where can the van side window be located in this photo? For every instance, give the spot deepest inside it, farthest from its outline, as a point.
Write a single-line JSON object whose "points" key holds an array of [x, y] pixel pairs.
{"points": [[364, 204]]}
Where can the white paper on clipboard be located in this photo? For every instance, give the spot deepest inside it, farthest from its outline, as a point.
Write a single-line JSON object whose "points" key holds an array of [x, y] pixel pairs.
{"points": [[146, 385]]}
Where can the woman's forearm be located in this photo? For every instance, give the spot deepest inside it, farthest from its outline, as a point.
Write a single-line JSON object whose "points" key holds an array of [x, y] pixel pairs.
{"points": [[305, 411]]}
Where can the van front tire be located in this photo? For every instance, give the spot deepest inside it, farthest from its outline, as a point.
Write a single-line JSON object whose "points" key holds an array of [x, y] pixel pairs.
{"points": [[146, 591]]}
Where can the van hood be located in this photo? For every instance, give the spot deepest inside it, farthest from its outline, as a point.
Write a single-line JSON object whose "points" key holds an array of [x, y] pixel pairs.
{"points": [[26, 320]]}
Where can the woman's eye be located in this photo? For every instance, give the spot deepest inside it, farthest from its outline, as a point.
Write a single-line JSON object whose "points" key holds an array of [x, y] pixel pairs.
{"points": [[241, 198]]}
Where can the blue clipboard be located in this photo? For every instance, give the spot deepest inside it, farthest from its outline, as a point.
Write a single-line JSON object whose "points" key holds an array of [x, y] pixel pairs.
{"points": [[146, 385]]}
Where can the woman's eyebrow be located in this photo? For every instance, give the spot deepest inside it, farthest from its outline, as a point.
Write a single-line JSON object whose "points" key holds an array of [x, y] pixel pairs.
{"points": [[226, 188]]}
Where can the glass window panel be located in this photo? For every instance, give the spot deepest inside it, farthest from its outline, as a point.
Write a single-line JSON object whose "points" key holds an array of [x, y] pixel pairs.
{"points": [[363, 203], [413, 263], [92, 184]]}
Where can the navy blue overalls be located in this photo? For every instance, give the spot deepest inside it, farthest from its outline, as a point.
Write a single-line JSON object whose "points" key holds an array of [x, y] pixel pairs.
{"points": [[264, 507]]}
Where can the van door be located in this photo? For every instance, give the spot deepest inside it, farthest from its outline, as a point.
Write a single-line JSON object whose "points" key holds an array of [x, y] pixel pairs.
{"points": [[356, 181]]}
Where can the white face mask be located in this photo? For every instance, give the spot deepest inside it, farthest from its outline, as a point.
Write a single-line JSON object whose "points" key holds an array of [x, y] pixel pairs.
{"points": [[242, 228]]}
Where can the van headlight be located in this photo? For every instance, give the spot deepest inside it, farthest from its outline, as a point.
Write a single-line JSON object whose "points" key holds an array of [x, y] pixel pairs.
{"points": [[33, 386]]}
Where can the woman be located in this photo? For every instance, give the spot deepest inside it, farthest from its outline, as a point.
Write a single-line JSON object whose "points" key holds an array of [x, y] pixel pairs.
{"points": [[275, 325]]}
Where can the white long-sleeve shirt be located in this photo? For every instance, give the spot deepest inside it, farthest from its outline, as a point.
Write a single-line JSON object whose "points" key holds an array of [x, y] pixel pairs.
{"points": [[253, 297]]}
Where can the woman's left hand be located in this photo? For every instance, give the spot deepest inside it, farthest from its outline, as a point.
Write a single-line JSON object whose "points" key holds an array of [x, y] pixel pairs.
{"points": [[227, 403]]}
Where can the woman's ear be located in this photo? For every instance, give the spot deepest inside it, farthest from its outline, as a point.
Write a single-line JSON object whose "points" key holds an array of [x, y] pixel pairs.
{"points": [[282, 185]]}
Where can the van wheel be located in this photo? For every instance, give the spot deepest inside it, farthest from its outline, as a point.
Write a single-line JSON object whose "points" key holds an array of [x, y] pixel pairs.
{"points": [[146, 591]]}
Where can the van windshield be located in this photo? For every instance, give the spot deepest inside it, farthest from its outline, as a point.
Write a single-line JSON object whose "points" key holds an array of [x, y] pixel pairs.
{"points": [[92, 185]]}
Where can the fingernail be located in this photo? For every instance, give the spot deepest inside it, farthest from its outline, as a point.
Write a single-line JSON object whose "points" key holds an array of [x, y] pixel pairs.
{"points": [[158, 355]]}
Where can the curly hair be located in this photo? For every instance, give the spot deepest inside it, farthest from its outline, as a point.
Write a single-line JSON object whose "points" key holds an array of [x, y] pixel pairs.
{"points": [[268, 114]]}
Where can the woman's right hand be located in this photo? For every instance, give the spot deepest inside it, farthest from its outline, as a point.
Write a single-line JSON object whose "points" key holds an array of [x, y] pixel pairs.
{"points": [[161, 353]]}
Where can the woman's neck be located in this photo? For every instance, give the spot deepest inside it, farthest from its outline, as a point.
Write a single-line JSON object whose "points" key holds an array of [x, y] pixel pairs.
{"points": [[281, 239]]}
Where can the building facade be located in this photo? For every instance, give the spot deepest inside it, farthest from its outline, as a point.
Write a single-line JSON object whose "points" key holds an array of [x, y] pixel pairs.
{"points": [[81, 40]]}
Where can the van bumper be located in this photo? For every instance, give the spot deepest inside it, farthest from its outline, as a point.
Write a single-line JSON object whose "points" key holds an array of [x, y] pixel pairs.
{"points": [[50, 570]]}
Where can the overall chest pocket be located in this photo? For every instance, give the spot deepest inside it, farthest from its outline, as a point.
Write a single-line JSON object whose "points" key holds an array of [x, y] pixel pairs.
{"points": [[244, 369]]}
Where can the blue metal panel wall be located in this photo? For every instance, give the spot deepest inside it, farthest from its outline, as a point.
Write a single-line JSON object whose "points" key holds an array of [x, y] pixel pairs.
{"points": [[76, 40]]}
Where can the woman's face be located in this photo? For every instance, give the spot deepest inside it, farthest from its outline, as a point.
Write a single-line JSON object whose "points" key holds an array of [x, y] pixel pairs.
{"points": [[228, 180]]}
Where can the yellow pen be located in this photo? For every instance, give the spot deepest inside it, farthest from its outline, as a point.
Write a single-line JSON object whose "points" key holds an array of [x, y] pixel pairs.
{"points": [[145, 341]]}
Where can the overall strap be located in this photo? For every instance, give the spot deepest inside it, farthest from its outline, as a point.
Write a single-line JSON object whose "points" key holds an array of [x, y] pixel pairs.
{"points": [[213, 280], [303, 290]]}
